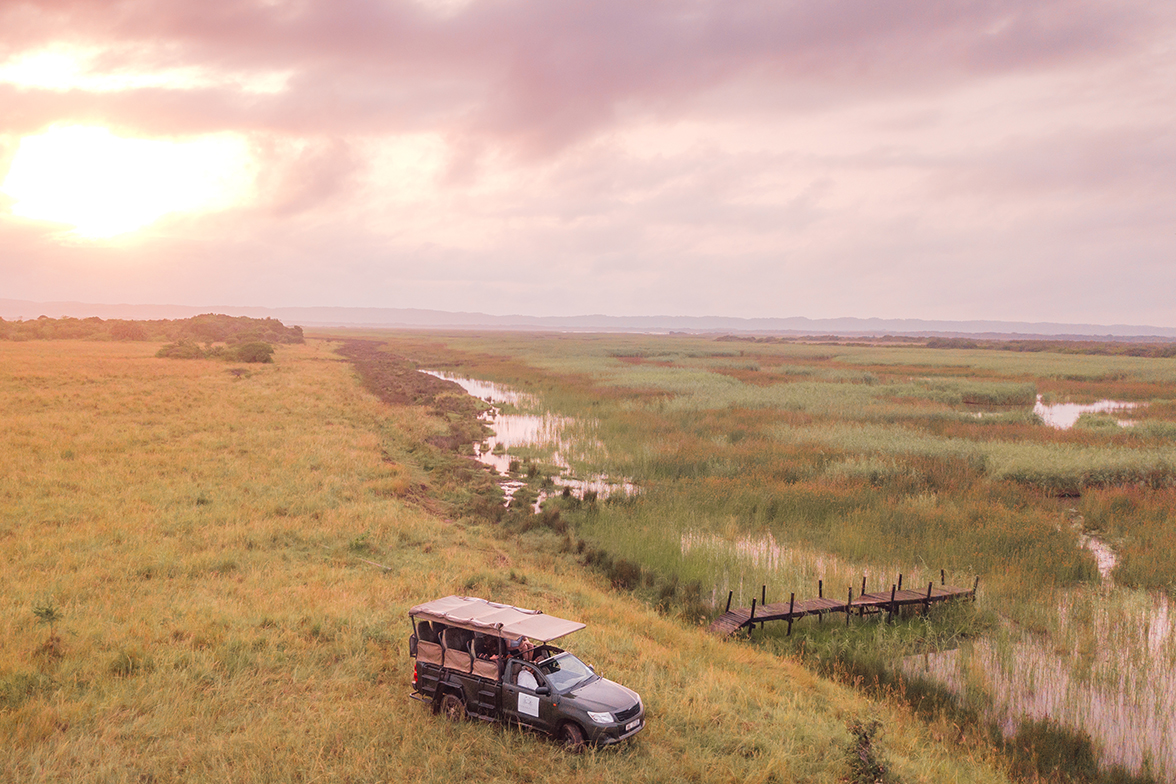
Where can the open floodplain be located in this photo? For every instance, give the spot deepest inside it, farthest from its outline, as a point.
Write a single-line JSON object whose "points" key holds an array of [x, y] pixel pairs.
{"points": [[207, 569]]}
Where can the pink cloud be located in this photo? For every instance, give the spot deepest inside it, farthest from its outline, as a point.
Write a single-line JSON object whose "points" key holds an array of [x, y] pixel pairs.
{"points": [[538, 75], [616, 156]]}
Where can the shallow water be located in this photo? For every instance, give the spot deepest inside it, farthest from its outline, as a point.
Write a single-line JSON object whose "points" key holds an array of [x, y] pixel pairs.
{"points": [[544, 430], [1064, 416], [783, 569], [1105, 556], [1110, 672], [1108, 668], [492, 393]]}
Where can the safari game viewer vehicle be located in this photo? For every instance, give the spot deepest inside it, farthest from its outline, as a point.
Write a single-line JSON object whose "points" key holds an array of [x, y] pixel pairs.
{"points": [[496, 662]]}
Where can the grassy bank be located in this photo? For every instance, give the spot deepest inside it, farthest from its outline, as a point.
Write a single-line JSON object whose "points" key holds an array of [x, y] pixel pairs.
{"points": [[187, 596]]}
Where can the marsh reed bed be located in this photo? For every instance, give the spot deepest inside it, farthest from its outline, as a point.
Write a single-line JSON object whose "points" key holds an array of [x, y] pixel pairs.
{"points": [[780, 463]]}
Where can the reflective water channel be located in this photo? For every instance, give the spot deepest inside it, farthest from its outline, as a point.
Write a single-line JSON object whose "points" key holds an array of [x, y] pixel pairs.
{"points": [[563, 436]]}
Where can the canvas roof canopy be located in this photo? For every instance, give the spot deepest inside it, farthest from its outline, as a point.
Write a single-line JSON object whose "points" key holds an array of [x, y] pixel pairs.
{"points": [[503, 620]]}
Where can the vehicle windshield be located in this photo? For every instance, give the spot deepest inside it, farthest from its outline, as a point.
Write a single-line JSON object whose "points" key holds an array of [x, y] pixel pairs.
{"points": [[565, 672]]}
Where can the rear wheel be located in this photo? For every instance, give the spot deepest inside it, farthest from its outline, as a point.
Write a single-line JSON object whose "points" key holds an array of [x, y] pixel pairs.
{"points": [[571, 737], [452, 707]]}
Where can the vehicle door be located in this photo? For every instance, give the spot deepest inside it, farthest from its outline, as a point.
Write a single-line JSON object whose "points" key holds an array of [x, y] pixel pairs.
{"points": [[527, 697]]}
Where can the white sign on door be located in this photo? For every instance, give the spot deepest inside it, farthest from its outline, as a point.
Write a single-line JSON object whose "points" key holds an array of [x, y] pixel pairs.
{"points": [[529, 705]]}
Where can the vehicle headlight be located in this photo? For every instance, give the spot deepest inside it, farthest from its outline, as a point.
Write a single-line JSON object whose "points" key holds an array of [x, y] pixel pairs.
{"points": [[600, 718]]}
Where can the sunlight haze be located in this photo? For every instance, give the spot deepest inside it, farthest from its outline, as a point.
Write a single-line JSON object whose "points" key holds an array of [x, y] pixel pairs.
{"points": [[104, 185]]}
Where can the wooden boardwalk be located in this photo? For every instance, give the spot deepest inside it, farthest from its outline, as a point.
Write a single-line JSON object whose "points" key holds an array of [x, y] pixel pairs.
{"points": [[890, 602]]}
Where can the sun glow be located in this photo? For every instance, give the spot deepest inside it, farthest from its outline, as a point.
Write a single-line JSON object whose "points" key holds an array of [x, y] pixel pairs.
{"points": [[105, 185]]}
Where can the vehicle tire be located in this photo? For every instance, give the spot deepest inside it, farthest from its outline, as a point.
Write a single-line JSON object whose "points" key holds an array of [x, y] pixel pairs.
{"points": [[452, 707], [571, 737]]}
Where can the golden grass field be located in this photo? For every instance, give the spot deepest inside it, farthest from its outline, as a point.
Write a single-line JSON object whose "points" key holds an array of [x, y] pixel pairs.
{"points": [[199, 538]]}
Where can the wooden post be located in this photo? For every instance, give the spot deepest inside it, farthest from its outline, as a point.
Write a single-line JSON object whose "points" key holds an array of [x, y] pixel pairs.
{"points": [[942, 577], [863, 585], [763, 595], [900, 582], [927, 604], [820, 589], [975, 585], [791, 604], [890, 615], [849, 606], [729, 595], [751, 621]]}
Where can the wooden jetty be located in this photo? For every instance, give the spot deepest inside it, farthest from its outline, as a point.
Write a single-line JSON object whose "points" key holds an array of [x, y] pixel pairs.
{"points": [[890, 601]]}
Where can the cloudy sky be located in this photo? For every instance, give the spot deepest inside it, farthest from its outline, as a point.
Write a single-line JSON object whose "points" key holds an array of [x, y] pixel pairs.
{"points": [[940, 159]]}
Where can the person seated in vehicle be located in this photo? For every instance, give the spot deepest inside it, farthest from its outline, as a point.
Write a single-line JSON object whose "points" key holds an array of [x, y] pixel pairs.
{"points": [[525, 678], [486, 647], [521, 648]]}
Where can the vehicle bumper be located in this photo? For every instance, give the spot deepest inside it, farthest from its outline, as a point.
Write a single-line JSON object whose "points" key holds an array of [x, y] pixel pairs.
{"points": [[608, 735]]}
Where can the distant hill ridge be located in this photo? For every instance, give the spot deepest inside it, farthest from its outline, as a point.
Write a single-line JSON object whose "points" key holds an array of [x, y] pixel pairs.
{"points": [[438, 319]]}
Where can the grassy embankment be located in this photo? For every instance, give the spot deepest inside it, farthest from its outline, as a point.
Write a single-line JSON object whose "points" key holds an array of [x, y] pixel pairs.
{"points": [[183, 596]]}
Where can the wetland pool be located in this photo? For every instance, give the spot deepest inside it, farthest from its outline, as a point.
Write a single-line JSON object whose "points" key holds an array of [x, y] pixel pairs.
{"points": [[528, 425], [1064, 416]]}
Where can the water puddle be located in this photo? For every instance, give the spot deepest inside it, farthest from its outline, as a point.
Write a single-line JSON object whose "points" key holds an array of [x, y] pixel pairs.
{"points": [[1064, 416], [543, 430]]}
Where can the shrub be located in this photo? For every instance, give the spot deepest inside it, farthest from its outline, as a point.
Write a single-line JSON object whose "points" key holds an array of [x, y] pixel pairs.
{"points": [[181, 350], [625, 574], [252, 352], [865, 763]]}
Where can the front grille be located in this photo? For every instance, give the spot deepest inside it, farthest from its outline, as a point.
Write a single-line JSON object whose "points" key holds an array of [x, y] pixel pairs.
{"points": [[628, 713]]}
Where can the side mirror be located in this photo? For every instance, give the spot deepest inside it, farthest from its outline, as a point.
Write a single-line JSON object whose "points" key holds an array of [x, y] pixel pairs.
{"points": [[412, 646], [543, 690]]}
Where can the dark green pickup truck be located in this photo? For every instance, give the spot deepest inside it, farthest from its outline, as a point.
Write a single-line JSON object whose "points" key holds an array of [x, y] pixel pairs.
{"points": [[495, 662]]}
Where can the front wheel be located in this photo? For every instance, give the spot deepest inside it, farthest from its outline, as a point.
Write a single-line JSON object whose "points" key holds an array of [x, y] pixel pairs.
{"points": [[452, 707], [571, 737]]}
